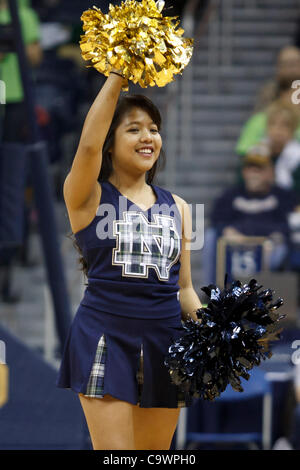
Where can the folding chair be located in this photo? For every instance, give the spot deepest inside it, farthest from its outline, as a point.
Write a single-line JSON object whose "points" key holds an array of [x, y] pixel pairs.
{"points": [[257, 387]]}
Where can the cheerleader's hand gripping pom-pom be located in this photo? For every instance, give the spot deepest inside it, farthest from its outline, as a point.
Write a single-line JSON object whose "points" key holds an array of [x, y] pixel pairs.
{"points": [[136, 38], [232, 336]]}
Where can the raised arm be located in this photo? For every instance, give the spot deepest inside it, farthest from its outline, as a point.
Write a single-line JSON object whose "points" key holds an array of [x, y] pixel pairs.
{"points": [[82, 178]]}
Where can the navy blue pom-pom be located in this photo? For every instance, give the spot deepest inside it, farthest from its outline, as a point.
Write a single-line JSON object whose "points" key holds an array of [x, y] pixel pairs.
{"points": [[232, 336]]}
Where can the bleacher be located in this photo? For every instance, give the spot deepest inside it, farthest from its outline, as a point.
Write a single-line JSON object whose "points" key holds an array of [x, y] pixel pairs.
{"points": [[231, 62]]}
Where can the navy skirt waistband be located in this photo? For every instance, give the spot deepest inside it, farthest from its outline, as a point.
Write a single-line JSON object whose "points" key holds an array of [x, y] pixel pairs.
{"points": [[133, 301]]}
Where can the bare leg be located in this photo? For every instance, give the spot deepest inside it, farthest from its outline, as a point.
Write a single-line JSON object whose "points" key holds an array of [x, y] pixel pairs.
{"points": [[110, 422], [154, 427]]}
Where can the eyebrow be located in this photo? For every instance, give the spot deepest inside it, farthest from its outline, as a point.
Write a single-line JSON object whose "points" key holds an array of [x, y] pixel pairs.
{"points": [[137, 122]]}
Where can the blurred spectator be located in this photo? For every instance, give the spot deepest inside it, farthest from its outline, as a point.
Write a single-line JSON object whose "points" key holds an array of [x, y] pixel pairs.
{"points": [[288, 70], [46, 9], [61, 83], [282, 122], [257, 207], [15, 121], [15, 127]]}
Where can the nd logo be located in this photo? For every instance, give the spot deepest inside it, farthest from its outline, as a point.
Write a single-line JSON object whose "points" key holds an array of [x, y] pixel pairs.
{"points": [[142, 244]]}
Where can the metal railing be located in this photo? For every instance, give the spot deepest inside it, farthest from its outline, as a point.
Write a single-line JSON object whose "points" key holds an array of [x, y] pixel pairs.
{"points": [[186, 94], [220, 42], [180, 95], [218, 19]]}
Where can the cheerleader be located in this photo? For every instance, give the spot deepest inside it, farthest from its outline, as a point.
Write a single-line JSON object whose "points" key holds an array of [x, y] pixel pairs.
{"points": [[134, 237]]}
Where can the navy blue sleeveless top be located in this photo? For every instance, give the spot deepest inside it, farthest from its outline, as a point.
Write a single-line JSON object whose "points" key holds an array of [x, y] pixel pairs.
{"points": [[133, 256]]}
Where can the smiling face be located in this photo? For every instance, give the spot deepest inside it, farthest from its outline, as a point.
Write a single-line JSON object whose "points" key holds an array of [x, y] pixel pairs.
{"points": [[137, 142]]}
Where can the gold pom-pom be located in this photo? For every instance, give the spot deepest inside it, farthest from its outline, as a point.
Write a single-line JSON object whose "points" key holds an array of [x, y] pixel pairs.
{"points": [[136, 39]]}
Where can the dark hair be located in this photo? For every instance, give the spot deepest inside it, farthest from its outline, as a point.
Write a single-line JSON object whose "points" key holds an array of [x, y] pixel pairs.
{"points": [[124, 105]]}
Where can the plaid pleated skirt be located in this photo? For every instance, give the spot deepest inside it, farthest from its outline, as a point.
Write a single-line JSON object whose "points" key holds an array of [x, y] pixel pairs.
{"points": [[122, 357]]}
